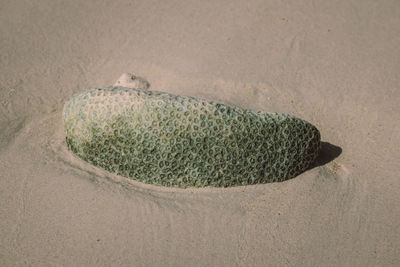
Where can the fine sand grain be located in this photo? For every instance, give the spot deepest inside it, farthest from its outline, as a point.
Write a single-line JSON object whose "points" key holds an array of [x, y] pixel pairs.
{"points": [[333, 63]]}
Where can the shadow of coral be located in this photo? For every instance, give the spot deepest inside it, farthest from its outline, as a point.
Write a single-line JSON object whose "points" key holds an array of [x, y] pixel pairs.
{"points": [[327, 154]]}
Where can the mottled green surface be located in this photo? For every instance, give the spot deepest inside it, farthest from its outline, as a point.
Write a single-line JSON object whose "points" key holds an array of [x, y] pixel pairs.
{"points": [[179, 141]]}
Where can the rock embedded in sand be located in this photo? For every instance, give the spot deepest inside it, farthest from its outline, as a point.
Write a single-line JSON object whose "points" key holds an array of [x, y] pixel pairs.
{"points": [[181, 141], [131, 81]]}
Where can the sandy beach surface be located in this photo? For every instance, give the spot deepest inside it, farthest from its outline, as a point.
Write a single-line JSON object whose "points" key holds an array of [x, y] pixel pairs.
{"points": [[333, 63]]}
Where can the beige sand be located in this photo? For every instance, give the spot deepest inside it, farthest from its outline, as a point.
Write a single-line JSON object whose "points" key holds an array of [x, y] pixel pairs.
{"points": [[333, 63]]}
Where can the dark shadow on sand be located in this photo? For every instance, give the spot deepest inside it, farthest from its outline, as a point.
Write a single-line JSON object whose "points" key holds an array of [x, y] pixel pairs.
{"points": [[328, 153]]}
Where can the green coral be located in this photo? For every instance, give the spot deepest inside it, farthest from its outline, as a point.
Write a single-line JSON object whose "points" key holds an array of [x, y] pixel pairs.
{"points": [[179, 141]]}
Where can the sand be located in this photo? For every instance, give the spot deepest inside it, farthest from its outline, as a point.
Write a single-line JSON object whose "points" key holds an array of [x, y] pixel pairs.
{"points": [[333, 63]]}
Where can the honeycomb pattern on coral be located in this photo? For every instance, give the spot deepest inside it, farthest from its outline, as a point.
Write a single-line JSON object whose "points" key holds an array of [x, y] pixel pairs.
{"points": [[180, 141]]}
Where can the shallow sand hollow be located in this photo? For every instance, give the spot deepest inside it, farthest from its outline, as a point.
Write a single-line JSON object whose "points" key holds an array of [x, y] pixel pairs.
{"points": [[332, 64]]}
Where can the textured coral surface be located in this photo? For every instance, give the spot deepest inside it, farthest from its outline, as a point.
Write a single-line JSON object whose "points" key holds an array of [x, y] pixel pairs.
{"points": [[180, 141]]}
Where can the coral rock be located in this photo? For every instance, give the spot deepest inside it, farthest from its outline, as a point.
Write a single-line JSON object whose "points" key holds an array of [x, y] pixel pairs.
{"points": [[180, 141]]}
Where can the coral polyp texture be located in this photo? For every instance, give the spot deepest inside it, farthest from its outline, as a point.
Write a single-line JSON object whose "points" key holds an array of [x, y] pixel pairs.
{"points": [[181, 141]]}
